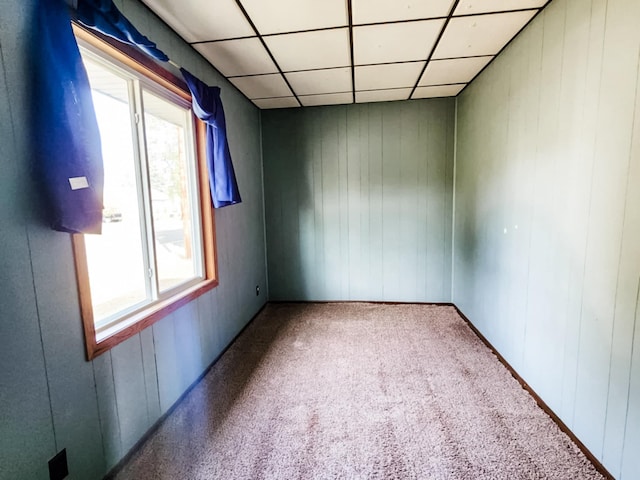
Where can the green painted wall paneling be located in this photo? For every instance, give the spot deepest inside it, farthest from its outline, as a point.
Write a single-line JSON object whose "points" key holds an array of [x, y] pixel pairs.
{"points": [[358, 203], [50, 397], [26, 424], [547, 217], [359, 200]]}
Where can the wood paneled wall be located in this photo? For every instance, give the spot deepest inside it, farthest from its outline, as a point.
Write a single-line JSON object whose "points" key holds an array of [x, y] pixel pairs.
{"points": [[359, 200], [50, 396], [547, 217]]}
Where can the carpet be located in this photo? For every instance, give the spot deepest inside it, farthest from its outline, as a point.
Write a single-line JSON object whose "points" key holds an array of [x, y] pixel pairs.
{"points": [[358, 391]]}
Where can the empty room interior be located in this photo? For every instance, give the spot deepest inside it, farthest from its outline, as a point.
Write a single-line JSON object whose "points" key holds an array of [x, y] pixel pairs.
{"points": [[395, 177]]}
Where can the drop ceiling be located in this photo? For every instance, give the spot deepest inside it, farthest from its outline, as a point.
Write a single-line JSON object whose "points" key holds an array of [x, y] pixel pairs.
{"points": [[292, 53]]}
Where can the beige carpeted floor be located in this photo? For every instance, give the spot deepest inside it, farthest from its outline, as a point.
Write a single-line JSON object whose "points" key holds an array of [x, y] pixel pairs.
{"points": [[358, 391]]}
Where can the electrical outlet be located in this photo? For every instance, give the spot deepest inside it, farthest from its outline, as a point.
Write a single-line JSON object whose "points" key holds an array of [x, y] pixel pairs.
{"points": [[257, 290], [58, 469]]}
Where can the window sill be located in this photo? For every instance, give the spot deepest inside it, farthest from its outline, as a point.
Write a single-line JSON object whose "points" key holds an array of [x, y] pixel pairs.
{"points": [[134, 324]]}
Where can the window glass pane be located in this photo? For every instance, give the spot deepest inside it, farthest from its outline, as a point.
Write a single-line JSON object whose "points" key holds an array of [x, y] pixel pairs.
{"points": [[173, 199], [117, 272]]}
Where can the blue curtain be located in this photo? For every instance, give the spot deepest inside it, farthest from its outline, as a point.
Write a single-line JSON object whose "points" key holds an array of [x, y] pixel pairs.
{"points": [[67, 154], [208, 107], [103, 16]]}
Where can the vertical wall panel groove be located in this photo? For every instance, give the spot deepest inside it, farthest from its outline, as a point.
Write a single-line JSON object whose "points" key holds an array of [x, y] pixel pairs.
{"points": [[547, 142], [379, 201], [100, 409], [630, 462]]}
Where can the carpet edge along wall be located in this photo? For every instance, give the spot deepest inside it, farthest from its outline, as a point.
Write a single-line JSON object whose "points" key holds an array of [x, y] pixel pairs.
{"points": [[547, 220], [359, 390]]}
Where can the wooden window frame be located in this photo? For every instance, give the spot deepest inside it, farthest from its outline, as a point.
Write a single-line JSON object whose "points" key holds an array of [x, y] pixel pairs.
{"points": [[147, 316]]}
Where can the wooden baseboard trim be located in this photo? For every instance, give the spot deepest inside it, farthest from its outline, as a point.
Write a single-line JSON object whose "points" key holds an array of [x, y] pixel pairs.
{"points": [[541, 403], [592, 458], [111, 474], [596, 463], [372, 302]]}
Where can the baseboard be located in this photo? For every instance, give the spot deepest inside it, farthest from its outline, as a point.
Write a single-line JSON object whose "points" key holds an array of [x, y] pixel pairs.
{"points": [[592, 458], [541, 403], [129, 455], [374, 302]]}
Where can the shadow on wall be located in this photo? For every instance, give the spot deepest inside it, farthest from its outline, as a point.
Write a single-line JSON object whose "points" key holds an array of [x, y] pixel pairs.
{"points": [[520, 256], [358, 201]]}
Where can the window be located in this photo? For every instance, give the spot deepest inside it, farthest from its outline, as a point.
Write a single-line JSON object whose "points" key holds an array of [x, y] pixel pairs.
{"points": [[156, 249]]}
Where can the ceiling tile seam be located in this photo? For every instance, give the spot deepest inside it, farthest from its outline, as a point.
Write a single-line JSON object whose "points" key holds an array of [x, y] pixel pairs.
{"points": [[160, 19], [371, 24], [307, 30], [306, 95], [394, 22], [389, 63], [264, 44], [505, 46], [444, 17], [404, 88], [273, 98], [441, 84], [463, 58], [359, 65], [327, 93], [498, 12], [359, 91], [266, 35], [435, 45], [218, 40], [353, 69], [289, 71]]}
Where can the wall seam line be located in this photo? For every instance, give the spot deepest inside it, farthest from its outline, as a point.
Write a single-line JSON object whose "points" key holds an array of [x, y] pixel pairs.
{"points": [[264, 211], [33, 281], [633, 352], [453, 197], [615, 304], [586, 251], [44, 356]]}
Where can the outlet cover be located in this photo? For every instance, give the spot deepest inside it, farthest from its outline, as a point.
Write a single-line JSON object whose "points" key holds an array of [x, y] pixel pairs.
{"points": [[58, 469]]}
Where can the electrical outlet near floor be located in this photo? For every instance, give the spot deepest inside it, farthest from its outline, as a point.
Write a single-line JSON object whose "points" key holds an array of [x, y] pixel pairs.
{"points": [[58, 469]]}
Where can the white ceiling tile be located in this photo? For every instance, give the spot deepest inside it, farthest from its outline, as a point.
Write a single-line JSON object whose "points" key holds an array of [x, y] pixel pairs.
{"points": [[394, 75], [282, 102], [440, 91], [468, 7], [457, 70], [238, 57], [480, 34], [395, 42], [309, 50], [373, 11], [320, 81], [383, 95], [327, 99], [196, 20], [283, 16], [262, 86]]}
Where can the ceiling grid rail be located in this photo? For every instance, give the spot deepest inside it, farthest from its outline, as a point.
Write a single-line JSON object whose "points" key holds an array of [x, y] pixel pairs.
{"points": [[298, 53]]}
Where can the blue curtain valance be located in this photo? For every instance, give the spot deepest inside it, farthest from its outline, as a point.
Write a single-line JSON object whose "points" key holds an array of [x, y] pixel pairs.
{"points": [[103, 16]]}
